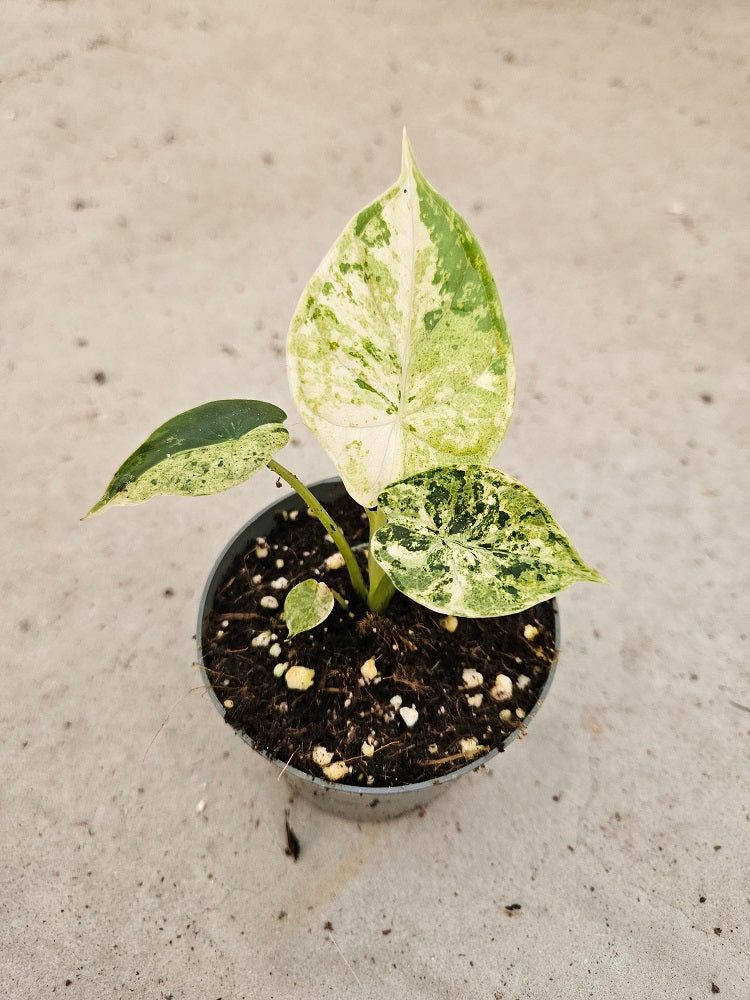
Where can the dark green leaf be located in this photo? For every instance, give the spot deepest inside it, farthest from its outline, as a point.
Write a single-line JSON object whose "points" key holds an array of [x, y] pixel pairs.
{"points": [[204, 450]]}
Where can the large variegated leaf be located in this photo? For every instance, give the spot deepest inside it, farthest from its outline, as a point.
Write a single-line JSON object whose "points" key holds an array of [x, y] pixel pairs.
{"points": [[398, 354], [471, 541], [307, 605], [204, 450]]}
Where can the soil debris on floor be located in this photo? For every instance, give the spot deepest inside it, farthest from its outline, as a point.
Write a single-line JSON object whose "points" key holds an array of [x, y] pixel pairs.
{"points": [[293, 847]]}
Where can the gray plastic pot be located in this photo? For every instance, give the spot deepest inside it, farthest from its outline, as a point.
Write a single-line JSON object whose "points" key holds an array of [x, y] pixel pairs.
{"points": [[349, 801]]}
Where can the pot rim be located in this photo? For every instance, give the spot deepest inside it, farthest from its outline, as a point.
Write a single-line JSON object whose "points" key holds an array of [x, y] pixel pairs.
{"points": [[330, 787]]}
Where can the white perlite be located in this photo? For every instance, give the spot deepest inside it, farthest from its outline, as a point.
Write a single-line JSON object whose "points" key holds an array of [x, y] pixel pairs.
{"points": [[397, 701], [261, 551], [261, 639], [269, 602], [280, 584], [523, 682], [257, 578], [368, 670], [279, 563], [409, 715], [474, 700], [505, 715], [274, 650], [449, 623], [502, 689], [280, 669], [321, 756], [471, 747], [299, 678], [336, 771], [530, 632], [336, 561], [472, 678], [367, 749]]}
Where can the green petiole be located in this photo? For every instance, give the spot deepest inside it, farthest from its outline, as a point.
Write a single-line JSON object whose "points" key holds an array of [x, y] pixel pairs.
{"points": [[350, 561]]}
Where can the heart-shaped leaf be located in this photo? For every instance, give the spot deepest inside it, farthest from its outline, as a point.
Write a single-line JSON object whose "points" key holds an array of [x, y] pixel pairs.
{"points": [[307, 605], [471, 541], [204, 450], [398, 354]]}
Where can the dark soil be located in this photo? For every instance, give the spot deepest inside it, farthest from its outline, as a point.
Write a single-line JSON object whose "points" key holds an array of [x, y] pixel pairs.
{"points": [[416, 658]]}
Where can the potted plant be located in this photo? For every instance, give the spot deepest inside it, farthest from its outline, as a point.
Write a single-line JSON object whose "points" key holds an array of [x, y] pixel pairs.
{"points": [[409, 638]]}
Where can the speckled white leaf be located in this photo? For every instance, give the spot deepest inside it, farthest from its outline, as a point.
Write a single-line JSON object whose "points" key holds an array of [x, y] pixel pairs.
{"points": [[472, 541], [307, 605], [204, 450], [398, 354]]}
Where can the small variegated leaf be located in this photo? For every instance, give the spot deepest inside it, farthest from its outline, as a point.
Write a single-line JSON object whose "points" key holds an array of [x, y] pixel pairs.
{"points": [[398, 354], [204, 450], [307, 605], [473, 542]]}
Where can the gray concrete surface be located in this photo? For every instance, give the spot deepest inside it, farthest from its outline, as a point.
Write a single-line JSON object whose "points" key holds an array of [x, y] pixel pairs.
{"points": [[171, 173]]}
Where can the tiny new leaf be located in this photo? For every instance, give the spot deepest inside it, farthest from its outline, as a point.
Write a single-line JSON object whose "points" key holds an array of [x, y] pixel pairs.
{"points": [[307, 605], [398, 355], [204, 450], [471, 541]]}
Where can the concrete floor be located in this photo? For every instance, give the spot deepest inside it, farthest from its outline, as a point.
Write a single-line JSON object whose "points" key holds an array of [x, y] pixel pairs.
{"points": [[171, 174]]}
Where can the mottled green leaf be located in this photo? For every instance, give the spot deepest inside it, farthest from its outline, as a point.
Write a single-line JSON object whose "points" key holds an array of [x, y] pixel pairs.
{"points": [[307, 605], [398, 354], [471, 541], [204, 450]]}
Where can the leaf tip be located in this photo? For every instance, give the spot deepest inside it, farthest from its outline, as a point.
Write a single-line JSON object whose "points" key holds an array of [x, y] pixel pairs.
{"points": [[408, 162], [594, 576], [94, 510]]}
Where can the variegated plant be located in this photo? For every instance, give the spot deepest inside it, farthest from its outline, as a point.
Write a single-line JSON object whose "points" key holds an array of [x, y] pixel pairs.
{"points": [[399, 361]]}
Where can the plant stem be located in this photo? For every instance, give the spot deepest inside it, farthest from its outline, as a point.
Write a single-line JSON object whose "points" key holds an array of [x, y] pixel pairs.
{"points": [[380, 596], [339, 599], [355, 573], [381, 588]]}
